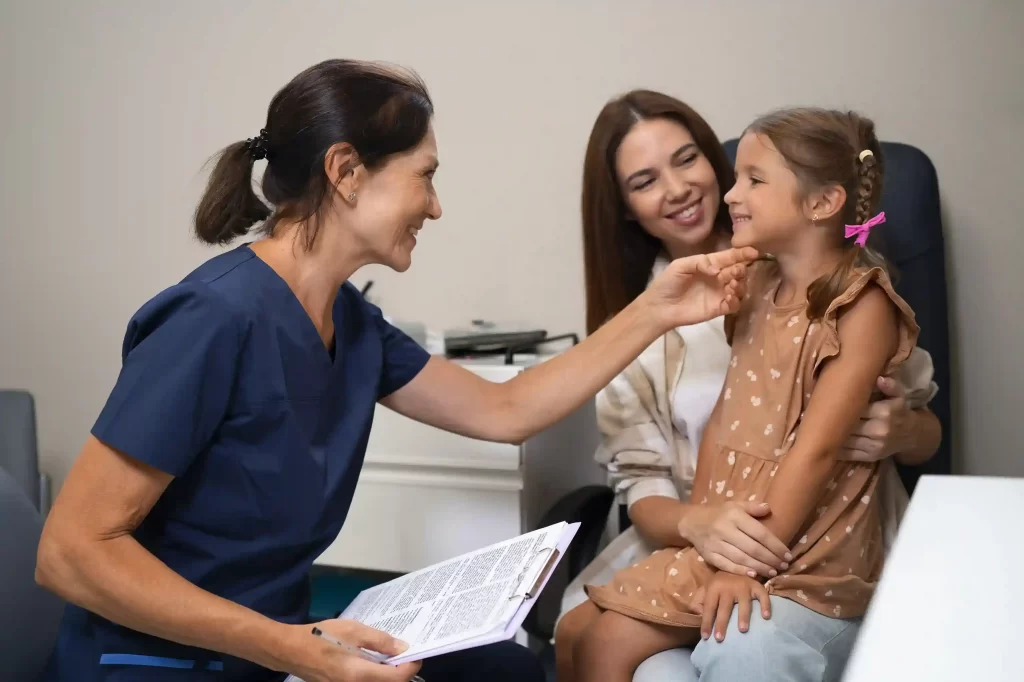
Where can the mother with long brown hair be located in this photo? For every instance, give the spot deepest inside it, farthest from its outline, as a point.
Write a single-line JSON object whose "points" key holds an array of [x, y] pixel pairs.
{"points": [[655, 175]]}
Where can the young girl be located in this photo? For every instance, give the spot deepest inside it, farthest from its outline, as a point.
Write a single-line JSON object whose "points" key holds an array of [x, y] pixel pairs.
{"points": [[820, 324]]}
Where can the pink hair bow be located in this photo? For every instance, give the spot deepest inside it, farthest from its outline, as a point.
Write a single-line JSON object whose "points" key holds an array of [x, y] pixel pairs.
{"points": [[862, 231]]}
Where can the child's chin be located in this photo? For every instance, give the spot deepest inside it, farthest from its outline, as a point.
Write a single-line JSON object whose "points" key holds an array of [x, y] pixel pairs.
{"points": [[743, 238]]}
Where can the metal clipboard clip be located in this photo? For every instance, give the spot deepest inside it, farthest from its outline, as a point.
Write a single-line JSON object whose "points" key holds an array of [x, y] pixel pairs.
{"points": [[529, 585]]}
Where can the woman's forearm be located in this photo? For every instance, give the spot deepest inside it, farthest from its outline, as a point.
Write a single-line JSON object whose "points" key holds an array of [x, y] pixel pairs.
{"points": [[119, 580], [922, 440], [657, 518], [547, 393]]}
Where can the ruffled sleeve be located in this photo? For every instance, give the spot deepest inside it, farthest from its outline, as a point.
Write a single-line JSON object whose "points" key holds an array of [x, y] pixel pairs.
{"points": [[908, 327]]}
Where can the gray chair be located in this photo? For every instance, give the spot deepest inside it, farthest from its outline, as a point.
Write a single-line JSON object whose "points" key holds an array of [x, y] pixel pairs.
{"points": [[19, 452], [29, 615]]}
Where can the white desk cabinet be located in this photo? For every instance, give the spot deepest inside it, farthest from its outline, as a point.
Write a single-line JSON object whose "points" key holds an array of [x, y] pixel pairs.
{"points": [[426, 495]]}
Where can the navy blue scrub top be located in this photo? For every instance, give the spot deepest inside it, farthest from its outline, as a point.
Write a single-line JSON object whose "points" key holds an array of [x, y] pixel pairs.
{"points": [[227, 386]]}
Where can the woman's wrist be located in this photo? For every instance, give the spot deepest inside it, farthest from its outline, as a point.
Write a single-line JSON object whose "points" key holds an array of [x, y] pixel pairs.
{"points": [[273, 645], [648, 317], [685, 522], [657, 517], [919, 439]]}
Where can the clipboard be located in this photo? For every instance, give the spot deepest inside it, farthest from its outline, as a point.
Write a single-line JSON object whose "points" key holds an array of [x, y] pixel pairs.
{"points": [[536, 574]]}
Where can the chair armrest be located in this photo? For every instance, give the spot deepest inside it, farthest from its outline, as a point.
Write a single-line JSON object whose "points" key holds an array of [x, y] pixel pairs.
{"points": [[589, 507]]}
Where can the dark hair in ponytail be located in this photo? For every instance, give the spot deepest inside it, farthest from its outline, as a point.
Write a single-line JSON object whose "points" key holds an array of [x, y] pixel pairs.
{"points": [[379, 110], [824, 147]]}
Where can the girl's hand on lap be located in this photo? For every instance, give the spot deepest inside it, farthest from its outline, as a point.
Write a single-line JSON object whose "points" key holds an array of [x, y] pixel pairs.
{"points": [[724, 591]]}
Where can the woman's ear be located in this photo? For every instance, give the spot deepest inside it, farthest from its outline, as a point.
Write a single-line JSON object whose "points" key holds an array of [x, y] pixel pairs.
{"points": [[344, 170], [825, 203]]}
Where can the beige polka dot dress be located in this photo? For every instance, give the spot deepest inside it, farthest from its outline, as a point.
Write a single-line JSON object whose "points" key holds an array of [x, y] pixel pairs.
{"points": [[838, 552]]}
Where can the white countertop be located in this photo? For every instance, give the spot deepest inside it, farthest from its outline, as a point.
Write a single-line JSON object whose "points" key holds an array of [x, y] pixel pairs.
{"points": [[951, 599]]}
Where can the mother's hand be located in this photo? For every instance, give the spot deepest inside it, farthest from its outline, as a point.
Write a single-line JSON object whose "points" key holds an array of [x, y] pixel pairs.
{"points": [[883, 428], [699, 288], [729, 537]]}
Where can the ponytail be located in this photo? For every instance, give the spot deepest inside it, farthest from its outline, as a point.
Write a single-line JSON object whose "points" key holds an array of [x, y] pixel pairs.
{"points": [[229, 206], [380, 110]]}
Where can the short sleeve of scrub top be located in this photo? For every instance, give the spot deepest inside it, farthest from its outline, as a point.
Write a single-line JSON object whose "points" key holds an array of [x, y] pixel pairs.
{"points": [[403, 357], [180, 362]]}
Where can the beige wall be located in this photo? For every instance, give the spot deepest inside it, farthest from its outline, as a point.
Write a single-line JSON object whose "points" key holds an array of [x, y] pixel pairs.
{"points": [[110, 109]]}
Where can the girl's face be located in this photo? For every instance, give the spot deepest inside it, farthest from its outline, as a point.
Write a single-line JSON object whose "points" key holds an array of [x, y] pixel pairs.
{"points": [[765, 202], [668, 184]]}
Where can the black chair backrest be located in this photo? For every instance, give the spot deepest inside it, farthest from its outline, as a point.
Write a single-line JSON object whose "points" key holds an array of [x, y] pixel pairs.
{"points": [[912, 240], [18, 450], [29, 615]]}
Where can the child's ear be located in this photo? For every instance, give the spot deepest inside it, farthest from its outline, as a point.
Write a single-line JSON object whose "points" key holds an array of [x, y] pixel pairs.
{"points": [[825, 203]]}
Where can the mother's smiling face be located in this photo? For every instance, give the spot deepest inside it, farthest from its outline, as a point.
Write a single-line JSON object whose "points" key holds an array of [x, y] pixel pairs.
{"points": [[668, 184]]}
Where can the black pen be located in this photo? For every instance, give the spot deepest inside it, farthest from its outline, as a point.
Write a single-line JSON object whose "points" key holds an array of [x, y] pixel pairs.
{"points": [[365, 655]]}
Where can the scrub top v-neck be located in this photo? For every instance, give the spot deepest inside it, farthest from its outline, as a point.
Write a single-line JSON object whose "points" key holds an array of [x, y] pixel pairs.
{"points": [[227, 386]]}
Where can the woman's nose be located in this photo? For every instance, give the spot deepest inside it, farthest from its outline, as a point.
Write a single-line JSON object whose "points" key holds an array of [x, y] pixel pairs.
{"points": [[434, 209], [677, 186]]}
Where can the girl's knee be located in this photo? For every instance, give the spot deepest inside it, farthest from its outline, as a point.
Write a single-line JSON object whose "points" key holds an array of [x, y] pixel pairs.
{"points": [[603, 641], [572, 625]]}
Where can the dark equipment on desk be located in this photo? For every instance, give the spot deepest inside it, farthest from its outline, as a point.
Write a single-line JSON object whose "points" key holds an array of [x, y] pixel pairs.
{"points": [[501, 343]]}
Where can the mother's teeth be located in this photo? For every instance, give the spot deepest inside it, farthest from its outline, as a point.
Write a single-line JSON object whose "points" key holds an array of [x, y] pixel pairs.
{"points": [[690, 211]]}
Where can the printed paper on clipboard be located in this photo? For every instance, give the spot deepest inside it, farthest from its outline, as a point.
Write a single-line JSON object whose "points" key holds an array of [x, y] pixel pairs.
{"points": [[478, 598]]}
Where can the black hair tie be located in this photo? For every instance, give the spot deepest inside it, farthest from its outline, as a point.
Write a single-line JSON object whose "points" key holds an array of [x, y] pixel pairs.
{"points": [[259, 146]]}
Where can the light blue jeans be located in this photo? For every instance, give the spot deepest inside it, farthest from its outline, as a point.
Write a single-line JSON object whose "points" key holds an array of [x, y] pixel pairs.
{"points": [[795, 645]]}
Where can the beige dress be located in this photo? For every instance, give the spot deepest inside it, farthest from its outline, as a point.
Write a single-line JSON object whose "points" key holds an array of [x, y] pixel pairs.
{"points": [[838, 555]]}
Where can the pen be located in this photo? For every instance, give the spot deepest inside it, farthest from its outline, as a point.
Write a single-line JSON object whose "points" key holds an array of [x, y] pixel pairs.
{"points": [[365, 655]]}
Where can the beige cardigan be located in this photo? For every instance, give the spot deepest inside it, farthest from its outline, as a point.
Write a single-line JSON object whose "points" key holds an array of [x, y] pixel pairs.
{"points": [[645, 454]]}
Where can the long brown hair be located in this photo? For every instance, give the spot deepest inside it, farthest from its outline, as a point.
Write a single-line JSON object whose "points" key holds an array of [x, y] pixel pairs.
{"points": [[823, 147], [618, 253], [378, 109]]}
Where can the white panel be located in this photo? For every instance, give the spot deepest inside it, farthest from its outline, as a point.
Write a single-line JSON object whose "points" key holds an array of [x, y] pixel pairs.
{"points": [[396, 440], [403, 521], [948, 605]]}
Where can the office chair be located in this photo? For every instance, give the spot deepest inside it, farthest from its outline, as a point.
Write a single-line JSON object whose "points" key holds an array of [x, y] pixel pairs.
{"points": [[29, 615], [19, 452]]}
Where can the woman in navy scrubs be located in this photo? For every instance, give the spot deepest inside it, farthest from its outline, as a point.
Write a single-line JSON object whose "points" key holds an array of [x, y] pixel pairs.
{"points": [[227, 453]]}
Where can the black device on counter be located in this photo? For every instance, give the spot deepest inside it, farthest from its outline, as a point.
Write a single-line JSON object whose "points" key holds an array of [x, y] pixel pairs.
{"points": [[500, 343]]}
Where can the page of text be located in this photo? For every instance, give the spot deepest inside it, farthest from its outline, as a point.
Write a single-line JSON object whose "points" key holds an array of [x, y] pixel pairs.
{"points": [[454, 600]]}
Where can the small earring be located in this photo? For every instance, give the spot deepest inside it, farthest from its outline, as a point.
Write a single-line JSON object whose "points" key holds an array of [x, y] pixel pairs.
{"points": [[814, 219], [352, 196]]}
